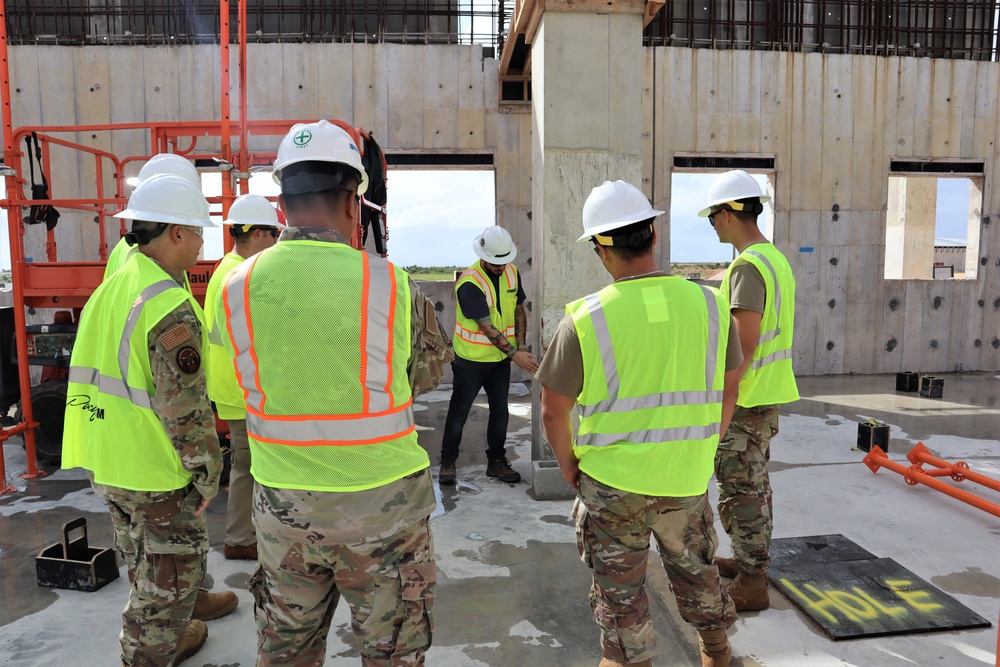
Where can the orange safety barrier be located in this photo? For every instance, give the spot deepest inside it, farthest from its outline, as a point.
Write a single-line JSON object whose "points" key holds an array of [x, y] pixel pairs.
{"points": [[915, 474]]}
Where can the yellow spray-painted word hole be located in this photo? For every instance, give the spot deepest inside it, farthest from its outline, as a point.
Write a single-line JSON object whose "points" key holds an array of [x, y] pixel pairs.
{"points": [[859, 606]]}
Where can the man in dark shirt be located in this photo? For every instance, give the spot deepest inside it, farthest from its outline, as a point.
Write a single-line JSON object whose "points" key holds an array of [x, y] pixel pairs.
{"points": [[489, 333]]}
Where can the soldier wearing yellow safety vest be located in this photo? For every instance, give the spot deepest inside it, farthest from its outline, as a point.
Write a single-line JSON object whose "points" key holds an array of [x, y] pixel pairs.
{"points": [[761, 291], [139, 421], [253, 224], [652, 360], [490, 332], [330, 345], [158, 165]]}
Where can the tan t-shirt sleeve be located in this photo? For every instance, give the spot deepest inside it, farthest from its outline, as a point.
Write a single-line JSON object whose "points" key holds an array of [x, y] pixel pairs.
{"points": [[746, 288], [562, 366]]}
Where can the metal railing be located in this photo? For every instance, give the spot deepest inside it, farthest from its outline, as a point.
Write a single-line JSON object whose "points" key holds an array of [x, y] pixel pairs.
{"points": [[953, 29], [148, 22]]}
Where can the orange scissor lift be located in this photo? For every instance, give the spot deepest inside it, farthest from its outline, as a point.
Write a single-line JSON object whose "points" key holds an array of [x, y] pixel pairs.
{"points": [[66, 285]]}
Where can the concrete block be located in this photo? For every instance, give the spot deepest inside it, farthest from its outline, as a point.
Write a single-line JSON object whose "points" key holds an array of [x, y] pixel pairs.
{"points": [[547, 482]]}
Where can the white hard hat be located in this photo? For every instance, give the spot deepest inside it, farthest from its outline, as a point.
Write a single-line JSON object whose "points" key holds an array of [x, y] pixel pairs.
{"points": [[169, 163], [495, 246], [730, 187], [612, 205], [252, 210], [318, 142], [168, 199]]}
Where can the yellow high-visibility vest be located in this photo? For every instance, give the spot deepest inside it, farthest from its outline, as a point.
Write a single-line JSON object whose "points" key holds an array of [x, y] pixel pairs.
{"points": [[110, 427], [119, 255], [469, 342], [654, 358], [770, 380], [223, 387], [320, 334]]}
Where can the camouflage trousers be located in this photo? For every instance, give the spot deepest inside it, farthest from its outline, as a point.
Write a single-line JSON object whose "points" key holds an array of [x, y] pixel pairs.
{"points": [[613, 529], [164, 545], [239, 507], [387, 580], [745, 506]]}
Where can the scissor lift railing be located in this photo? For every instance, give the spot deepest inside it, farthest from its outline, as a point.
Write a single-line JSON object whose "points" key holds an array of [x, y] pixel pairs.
{"points": [[68, 284]]}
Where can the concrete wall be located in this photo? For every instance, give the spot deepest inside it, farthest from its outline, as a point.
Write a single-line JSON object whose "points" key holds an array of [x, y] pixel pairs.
{"points": [[423, 98], [832, 123]]}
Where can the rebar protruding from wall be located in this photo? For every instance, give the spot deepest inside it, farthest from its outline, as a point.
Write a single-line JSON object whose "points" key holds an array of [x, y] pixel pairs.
{"points": [[915, 474]]}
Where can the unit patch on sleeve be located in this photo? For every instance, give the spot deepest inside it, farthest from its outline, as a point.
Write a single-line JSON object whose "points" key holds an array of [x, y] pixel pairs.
{"points": [[188, 359], [174, 336]]}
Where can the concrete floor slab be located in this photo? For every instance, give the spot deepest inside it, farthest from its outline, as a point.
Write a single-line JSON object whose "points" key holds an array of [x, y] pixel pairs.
{"points": [[512, 588]]}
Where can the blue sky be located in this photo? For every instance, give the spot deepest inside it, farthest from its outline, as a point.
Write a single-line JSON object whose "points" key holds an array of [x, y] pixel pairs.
{"points": [[434, 215]]}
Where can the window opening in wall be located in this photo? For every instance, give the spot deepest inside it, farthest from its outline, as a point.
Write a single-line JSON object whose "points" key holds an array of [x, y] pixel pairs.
{"points": [[695, 249], [433, 216], [932, 225]]}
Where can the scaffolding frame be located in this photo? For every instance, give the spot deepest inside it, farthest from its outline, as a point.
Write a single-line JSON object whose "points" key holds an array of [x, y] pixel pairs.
{"points": [[68, 285]]}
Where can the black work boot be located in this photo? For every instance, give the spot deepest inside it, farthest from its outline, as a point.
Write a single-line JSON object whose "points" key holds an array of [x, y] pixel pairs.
{"points": [[447, 472], [500, 468]]}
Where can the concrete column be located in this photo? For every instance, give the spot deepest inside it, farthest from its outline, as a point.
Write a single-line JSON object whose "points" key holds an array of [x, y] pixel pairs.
{"points": [[910, 225], [587, 128]]}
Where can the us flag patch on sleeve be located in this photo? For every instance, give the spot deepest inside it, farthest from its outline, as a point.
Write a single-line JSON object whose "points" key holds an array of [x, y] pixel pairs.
{"points": [[174, 336]]}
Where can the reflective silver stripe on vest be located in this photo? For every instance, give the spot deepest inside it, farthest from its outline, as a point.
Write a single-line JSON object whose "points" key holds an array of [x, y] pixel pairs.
{"points": [[773, 333], [119, 387], [771, 358], [239, 327], [108, 385], [600, 323], [478, 277], [614, 404], [712, 352], [664, 400], [679, 433], [359, 429], [379, 332]]}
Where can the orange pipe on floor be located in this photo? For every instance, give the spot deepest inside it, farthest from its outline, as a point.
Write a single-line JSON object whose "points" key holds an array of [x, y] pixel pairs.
{"points": [[958, 471], [913, 475]]}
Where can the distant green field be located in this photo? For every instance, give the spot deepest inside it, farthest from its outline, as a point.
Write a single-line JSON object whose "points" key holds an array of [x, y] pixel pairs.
{"points": [[432, 276], [433, 272]]}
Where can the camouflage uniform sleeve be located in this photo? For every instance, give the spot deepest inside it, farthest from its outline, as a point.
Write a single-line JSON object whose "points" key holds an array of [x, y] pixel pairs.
{"points": [[431, 347], [181, 400]]}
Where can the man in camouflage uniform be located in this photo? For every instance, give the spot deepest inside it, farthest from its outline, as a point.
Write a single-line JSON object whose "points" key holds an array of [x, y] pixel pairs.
{"points": [[761, 290], [644, 449], [135, 432], [334, 520]]}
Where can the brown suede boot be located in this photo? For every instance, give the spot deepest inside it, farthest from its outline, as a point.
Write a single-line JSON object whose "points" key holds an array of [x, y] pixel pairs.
{"points": [[191, 641], [749, 592], [728, 567], [237, 552], [213, 605], [611, 663]]}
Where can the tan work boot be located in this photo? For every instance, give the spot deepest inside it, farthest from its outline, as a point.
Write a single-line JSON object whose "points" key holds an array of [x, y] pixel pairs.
{"points": [[714, 648], [611, 663], [716, 659], [213, 605], [728, 567], [191, 641], [447, 473], [749, 592]]}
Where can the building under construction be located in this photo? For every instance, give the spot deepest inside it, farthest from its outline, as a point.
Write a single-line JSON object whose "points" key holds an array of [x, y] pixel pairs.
{"points": [[853, 110]]}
